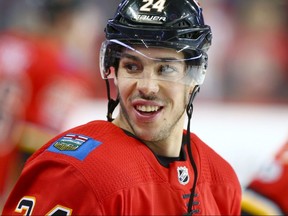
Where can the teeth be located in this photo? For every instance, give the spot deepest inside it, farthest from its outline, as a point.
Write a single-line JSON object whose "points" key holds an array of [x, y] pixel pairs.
{"points": [[147, 108]]}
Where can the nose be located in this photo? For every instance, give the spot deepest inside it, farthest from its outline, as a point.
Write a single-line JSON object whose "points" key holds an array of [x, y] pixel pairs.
{"points": [[147, 86]]}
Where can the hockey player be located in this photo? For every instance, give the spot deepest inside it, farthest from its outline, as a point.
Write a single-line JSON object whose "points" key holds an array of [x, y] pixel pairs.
{"points": [[141, 162]]}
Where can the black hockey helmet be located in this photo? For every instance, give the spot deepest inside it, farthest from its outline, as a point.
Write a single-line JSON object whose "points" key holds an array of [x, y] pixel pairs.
{"points": [[176, 24]]}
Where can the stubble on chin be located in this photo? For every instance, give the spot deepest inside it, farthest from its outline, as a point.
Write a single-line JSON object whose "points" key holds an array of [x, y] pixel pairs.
{"points": [[150, 134]]}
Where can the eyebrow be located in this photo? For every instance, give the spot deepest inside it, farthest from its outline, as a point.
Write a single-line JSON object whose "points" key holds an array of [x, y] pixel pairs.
{"points": [[135, 58], [126, 55]]}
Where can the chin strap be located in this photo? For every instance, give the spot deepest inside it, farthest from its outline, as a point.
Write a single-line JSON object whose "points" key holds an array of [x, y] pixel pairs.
{"points": [[189, 111], [112, 104]]}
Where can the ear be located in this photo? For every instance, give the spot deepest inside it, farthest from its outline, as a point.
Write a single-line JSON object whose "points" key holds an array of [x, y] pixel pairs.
{"points": [[115, 81], [113, 72]]}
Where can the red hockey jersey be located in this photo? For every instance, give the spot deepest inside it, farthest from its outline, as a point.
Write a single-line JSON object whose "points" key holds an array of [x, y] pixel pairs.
{"points": [[98, 169]]}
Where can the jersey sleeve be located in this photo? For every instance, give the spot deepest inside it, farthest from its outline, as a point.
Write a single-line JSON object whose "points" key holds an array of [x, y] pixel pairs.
{"points": [[50, 187]]}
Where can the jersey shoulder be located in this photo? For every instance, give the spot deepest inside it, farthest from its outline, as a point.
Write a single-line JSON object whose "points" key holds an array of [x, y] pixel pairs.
{"points": [[104, 155], [214, 168], [79, 142]]}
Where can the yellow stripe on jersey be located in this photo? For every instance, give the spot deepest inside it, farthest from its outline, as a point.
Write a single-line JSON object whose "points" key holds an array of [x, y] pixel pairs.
{"points": [[255, 204]]}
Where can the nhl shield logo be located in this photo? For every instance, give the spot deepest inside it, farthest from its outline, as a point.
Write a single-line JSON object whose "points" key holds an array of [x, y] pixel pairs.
{"points": [[183, 175]]}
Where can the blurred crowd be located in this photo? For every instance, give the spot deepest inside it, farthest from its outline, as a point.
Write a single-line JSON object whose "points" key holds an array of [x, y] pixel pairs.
{"points": [[49, 54], [249, 56]]}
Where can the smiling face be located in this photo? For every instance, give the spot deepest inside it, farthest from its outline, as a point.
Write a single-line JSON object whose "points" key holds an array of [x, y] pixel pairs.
{"points": [[152, 104]]}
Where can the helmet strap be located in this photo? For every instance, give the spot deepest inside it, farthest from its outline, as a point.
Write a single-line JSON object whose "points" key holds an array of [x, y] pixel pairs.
{"points": [[112, 104], [189, 111]]}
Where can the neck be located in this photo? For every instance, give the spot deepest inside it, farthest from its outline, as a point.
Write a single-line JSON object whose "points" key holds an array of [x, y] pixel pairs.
{"points": [[169, 147]]}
